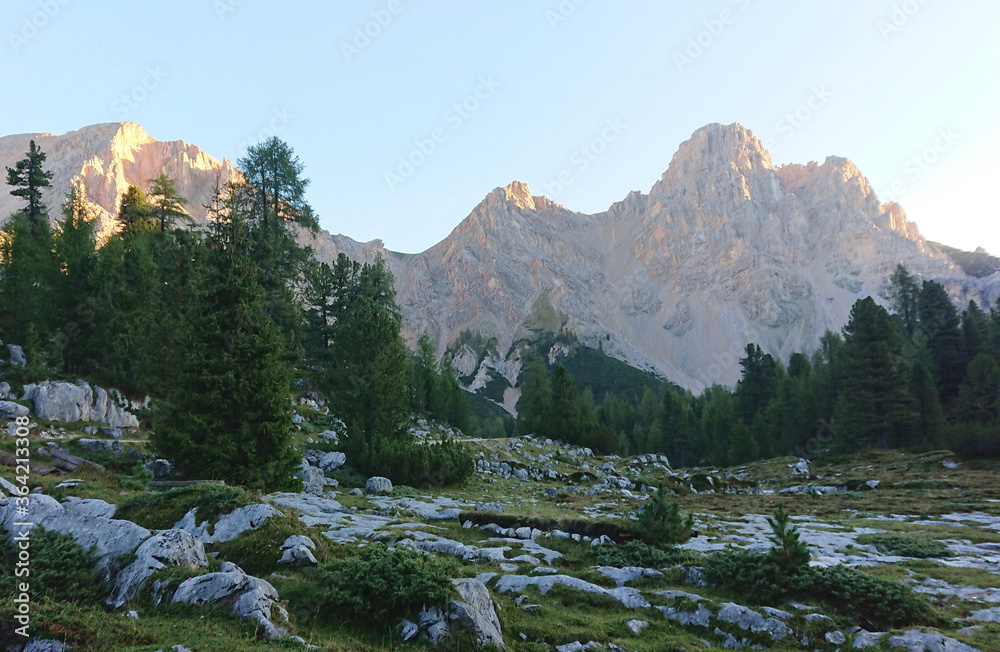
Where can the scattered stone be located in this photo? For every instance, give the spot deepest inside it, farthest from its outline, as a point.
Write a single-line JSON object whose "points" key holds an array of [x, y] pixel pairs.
{"points": [[835, 637], [16, 355], [160, 468], [866, 639], [378, 485], [636, 626], [103, 445], [407, 630], [948, 464], [298, 551], [476, 613], [332, 461], [622, 576], [44, 644], [748, 619], [489, 507], [987, 615], [312, 478], [11, 410], [355, 492], [917, 641]]}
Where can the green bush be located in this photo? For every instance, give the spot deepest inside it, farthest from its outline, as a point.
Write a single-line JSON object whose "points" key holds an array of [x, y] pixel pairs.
{"points": [[61, 569], [792, 552], [161, 509], [904, 546], [382, 584], [407, 461], [660, 521], [763, 578], [638, 553]]}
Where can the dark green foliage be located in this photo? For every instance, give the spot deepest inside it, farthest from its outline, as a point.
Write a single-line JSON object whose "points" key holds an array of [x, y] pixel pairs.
{"points": [[135, 215], [930, 415], [759, 383], [159, 510], [979, 393], [29, 178], [381, 585], [275, 185], [874, 407], [639, 553], [229, 414], [940, 330], [792, 553], [434, 389], [904, 293], [660, 521], [873, 602], [974, 440], [906, 546], [406, 461], [30, 270], [60, 569]]}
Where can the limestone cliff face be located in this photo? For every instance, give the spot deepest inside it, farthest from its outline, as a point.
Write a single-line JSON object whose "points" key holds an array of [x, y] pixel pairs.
{"points": [[106, 159], [726, 248]]}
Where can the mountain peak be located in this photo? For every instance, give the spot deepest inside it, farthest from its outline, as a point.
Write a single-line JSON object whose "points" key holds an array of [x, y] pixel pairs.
{"points": [[519, 194]]}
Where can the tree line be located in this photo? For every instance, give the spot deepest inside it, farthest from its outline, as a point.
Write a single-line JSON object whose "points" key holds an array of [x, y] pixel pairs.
{"points": [[222, 323], [919, 374]]}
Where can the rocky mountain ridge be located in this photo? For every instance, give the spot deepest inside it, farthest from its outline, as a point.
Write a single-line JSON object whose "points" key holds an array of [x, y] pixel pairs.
{"points": [[726, 248]]}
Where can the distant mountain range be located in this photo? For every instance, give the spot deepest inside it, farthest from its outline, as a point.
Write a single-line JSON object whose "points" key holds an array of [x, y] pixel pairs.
{"points": [[726, 248]]}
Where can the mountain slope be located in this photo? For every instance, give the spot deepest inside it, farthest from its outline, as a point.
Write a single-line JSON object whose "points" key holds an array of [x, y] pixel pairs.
{"points": [[726, 248]]}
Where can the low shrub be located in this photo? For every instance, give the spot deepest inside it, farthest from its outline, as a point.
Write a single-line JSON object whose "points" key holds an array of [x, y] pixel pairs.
{"points": [[61, 569], [660, 521], [761, 577], [638, 553], [382, 584], [161, 509], [407, 461], [906, 546], [974, 440]]}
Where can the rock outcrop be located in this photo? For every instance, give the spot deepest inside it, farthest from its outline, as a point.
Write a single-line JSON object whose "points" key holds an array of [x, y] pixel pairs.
{"points": [[56, 400]]}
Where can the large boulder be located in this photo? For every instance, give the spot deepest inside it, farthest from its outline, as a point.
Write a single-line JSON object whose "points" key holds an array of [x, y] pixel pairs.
{"points": [[17, 355], [918, 641], [85, 521], [160, 468], [61, 401], [229, 526], [65, 402], [164, 549], [378, 485], [251, 597], [476, 613]]}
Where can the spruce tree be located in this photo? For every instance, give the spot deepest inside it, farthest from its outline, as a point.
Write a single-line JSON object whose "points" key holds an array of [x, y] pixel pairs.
{"points": [[135, 215], [536, 391], [940, 330], [904, 294], [759, 383], [874, 407], [29, 178], [77, 256], [979, 394], [229, 414]]}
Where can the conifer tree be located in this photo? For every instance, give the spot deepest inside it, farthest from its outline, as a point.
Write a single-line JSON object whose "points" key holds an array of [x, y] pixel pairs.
{"points": [[904, 294], [940, 330], [229, 414], [979, 394], [77, 256], [874, 407], [166, 204], [135, 215], [29, 178]]}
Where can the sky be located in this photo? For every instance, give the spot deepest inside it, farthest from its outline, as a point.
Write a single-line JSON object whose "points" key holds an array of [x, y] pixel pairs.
{"points": [[407, 113]]}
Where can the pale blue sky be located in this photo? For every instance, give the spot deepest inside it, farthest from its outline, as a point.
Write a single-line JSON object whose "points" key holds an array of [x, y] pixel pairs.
{"points": [[549, 76]]}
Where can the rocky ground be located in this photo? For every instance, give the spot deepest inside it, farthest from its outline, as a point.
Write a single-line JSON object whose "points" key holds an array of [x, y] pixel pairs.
{"points": [[523, 535]]}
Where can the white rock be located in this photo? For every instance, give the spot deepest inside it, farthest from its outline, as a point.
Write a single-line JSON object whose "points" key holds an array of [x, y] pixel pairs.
{"points": [[378, 485], [252, 598], [164, 549]]}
